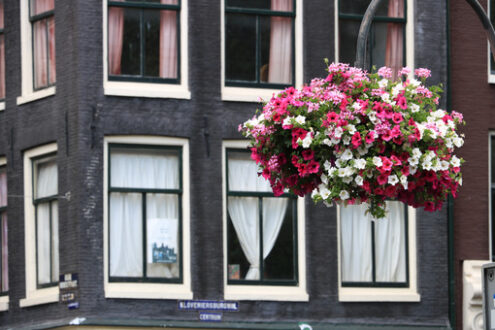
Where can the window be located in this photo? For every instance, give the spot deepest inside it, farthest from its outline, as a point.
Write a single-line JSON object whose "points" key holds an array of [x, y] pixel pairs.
{"points": [[261, 41], [4, 247], [492, 192], [146, 219], [387, 39], [146, 48], [491, 62], [2, 57], [37, 49], [262, 230], [376, 254], [41, 225]]}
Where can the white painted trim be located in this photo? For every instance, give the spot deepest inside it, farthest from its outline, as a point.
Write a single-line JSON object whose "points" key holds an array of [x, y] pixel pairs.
{"points": [[28, 94], [265, 292], [409, 294], [409, 33], [34, 296], [153, 90], [3, 161], [246, 94], [490, 206], [151, 290], [4, 303], [2, 106]]}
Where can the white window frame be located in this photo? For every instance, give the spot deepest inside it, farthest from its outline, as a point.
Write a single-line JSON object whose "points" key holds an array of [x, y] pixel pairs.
{"points": [[34, 296], [145, 89], [248, 94], [28, 94], [409, 294], [264, 292], [132, 290], [409, 33], [4, 300], [491, 76]]}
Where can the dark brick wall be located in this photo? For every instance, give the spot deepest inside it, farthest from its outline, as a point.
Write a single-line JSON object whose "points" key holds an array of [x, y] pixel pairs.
{"points": [[91, 116]]}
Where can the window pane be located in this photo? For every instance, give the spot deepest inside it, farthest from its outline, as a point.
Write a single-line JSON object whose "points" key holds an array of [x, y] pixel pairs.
{"points": [[1, 15], [279, 5], [391, 8], [356, 259], [243, 174], [276, 49], [151, 29], [4, 253], [40, 53], [168, 2], [348, 32], [43, 244], [41, 6], [243, 238], [2, 66], [46, 178], [278, 239], [492, 161], [51, 51], [240, 41], [162, 231], [54, 241], [144, 168], [126, 235], [168, 42], [3, 186], [131, 44], [390, 245]]}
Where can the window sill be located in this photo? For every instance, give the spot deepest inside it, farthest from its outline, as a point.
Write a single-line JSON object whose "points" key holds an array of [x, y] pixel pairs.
{"points": [[240, 94], [491, 78], [378, 295], [33, 96], [133, 89], [268, 293], [2, 106], [4, 303], [147, 291], [40, 297]]}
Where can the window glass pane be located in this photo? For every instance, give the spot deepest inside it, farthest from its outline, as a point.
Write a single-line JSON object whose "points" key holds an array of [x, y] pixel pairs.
{"points": [[1, 15], [276, 49], [43, 243], [356, 256], [390, 8], [51, 51], [144, 168], [126, 235], [46, 178], [162, 233], [40, 53], [348, 32], [240, 42], [243, 174], [168, 2], [279, 5], [492, 161], [2, 66], [41, 6], [54, 241], [4, 253], [278, 239], [131, 44], [390, 245], [3, 186], [151, 29], [243, 238]]}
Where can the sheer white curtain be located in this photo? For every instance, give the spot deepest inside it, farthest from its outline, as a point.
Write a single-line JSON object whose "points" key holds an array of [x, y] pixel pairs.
{"points": [[394, 53], [47, 244], [280, 62], [356, 255], [168, 41], [115, 38], [244, 212], [135, 169]]}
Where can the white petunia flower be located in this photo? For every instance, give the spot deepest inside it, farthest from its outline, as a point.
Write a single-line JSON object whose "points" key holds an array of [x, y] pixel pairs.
{"points": [[324, 179], [403, 181], [377, 161], [347, 179], [327, 165], [287, 121], [414, 107], [383, 83], [413, 170], [338, 132], [344, 195], [351, 128], [306, 143], [301, 120], [346, 139], [456, 162], [359, 180], [416, 152], [393, 179], [360, 164], [458, 142], [346, 155], [342, 172]]}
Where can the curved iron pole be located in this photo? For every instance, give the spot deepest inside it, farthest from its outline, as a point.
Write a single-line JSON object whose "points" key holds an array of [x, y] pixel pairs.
{"points": [[487, 24]]}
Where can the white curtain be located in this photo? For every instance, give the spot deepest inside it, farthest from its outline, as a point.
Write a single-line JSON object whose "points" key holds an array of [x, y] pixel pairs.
{"points": [[168, 41], [163, 209], [47, 180], [244, 212], [356, 255], [280, 62], [137, 169], [43, 248], [54, 241]]}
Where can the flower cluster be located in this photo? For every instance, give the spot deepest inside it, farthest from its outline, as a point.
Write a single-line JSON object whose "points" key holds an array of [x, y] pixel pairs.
{"points": [[356, 137]]}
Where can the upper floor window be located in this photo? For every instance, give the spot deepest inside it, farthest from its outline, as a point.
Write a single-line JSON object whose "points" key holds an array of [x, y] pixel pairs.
{"points": [[2, 53], [491, 61], [386, 42], [41, 16], [4, 247], [259, 43], [143, 40]]}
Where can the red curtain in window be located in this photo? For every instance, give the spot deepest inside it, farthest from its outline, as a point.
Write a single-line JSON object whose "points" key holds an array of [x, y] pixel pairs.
{"points": [[395, 38], [280, 62], [2, 55], [115, 38], [168, 41], [44, 44]]}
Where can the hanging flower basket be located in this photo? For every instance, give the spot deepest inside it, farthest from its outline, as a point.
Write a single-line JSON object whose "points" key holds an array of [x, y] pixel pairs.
{"points": [[358, 137]]}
